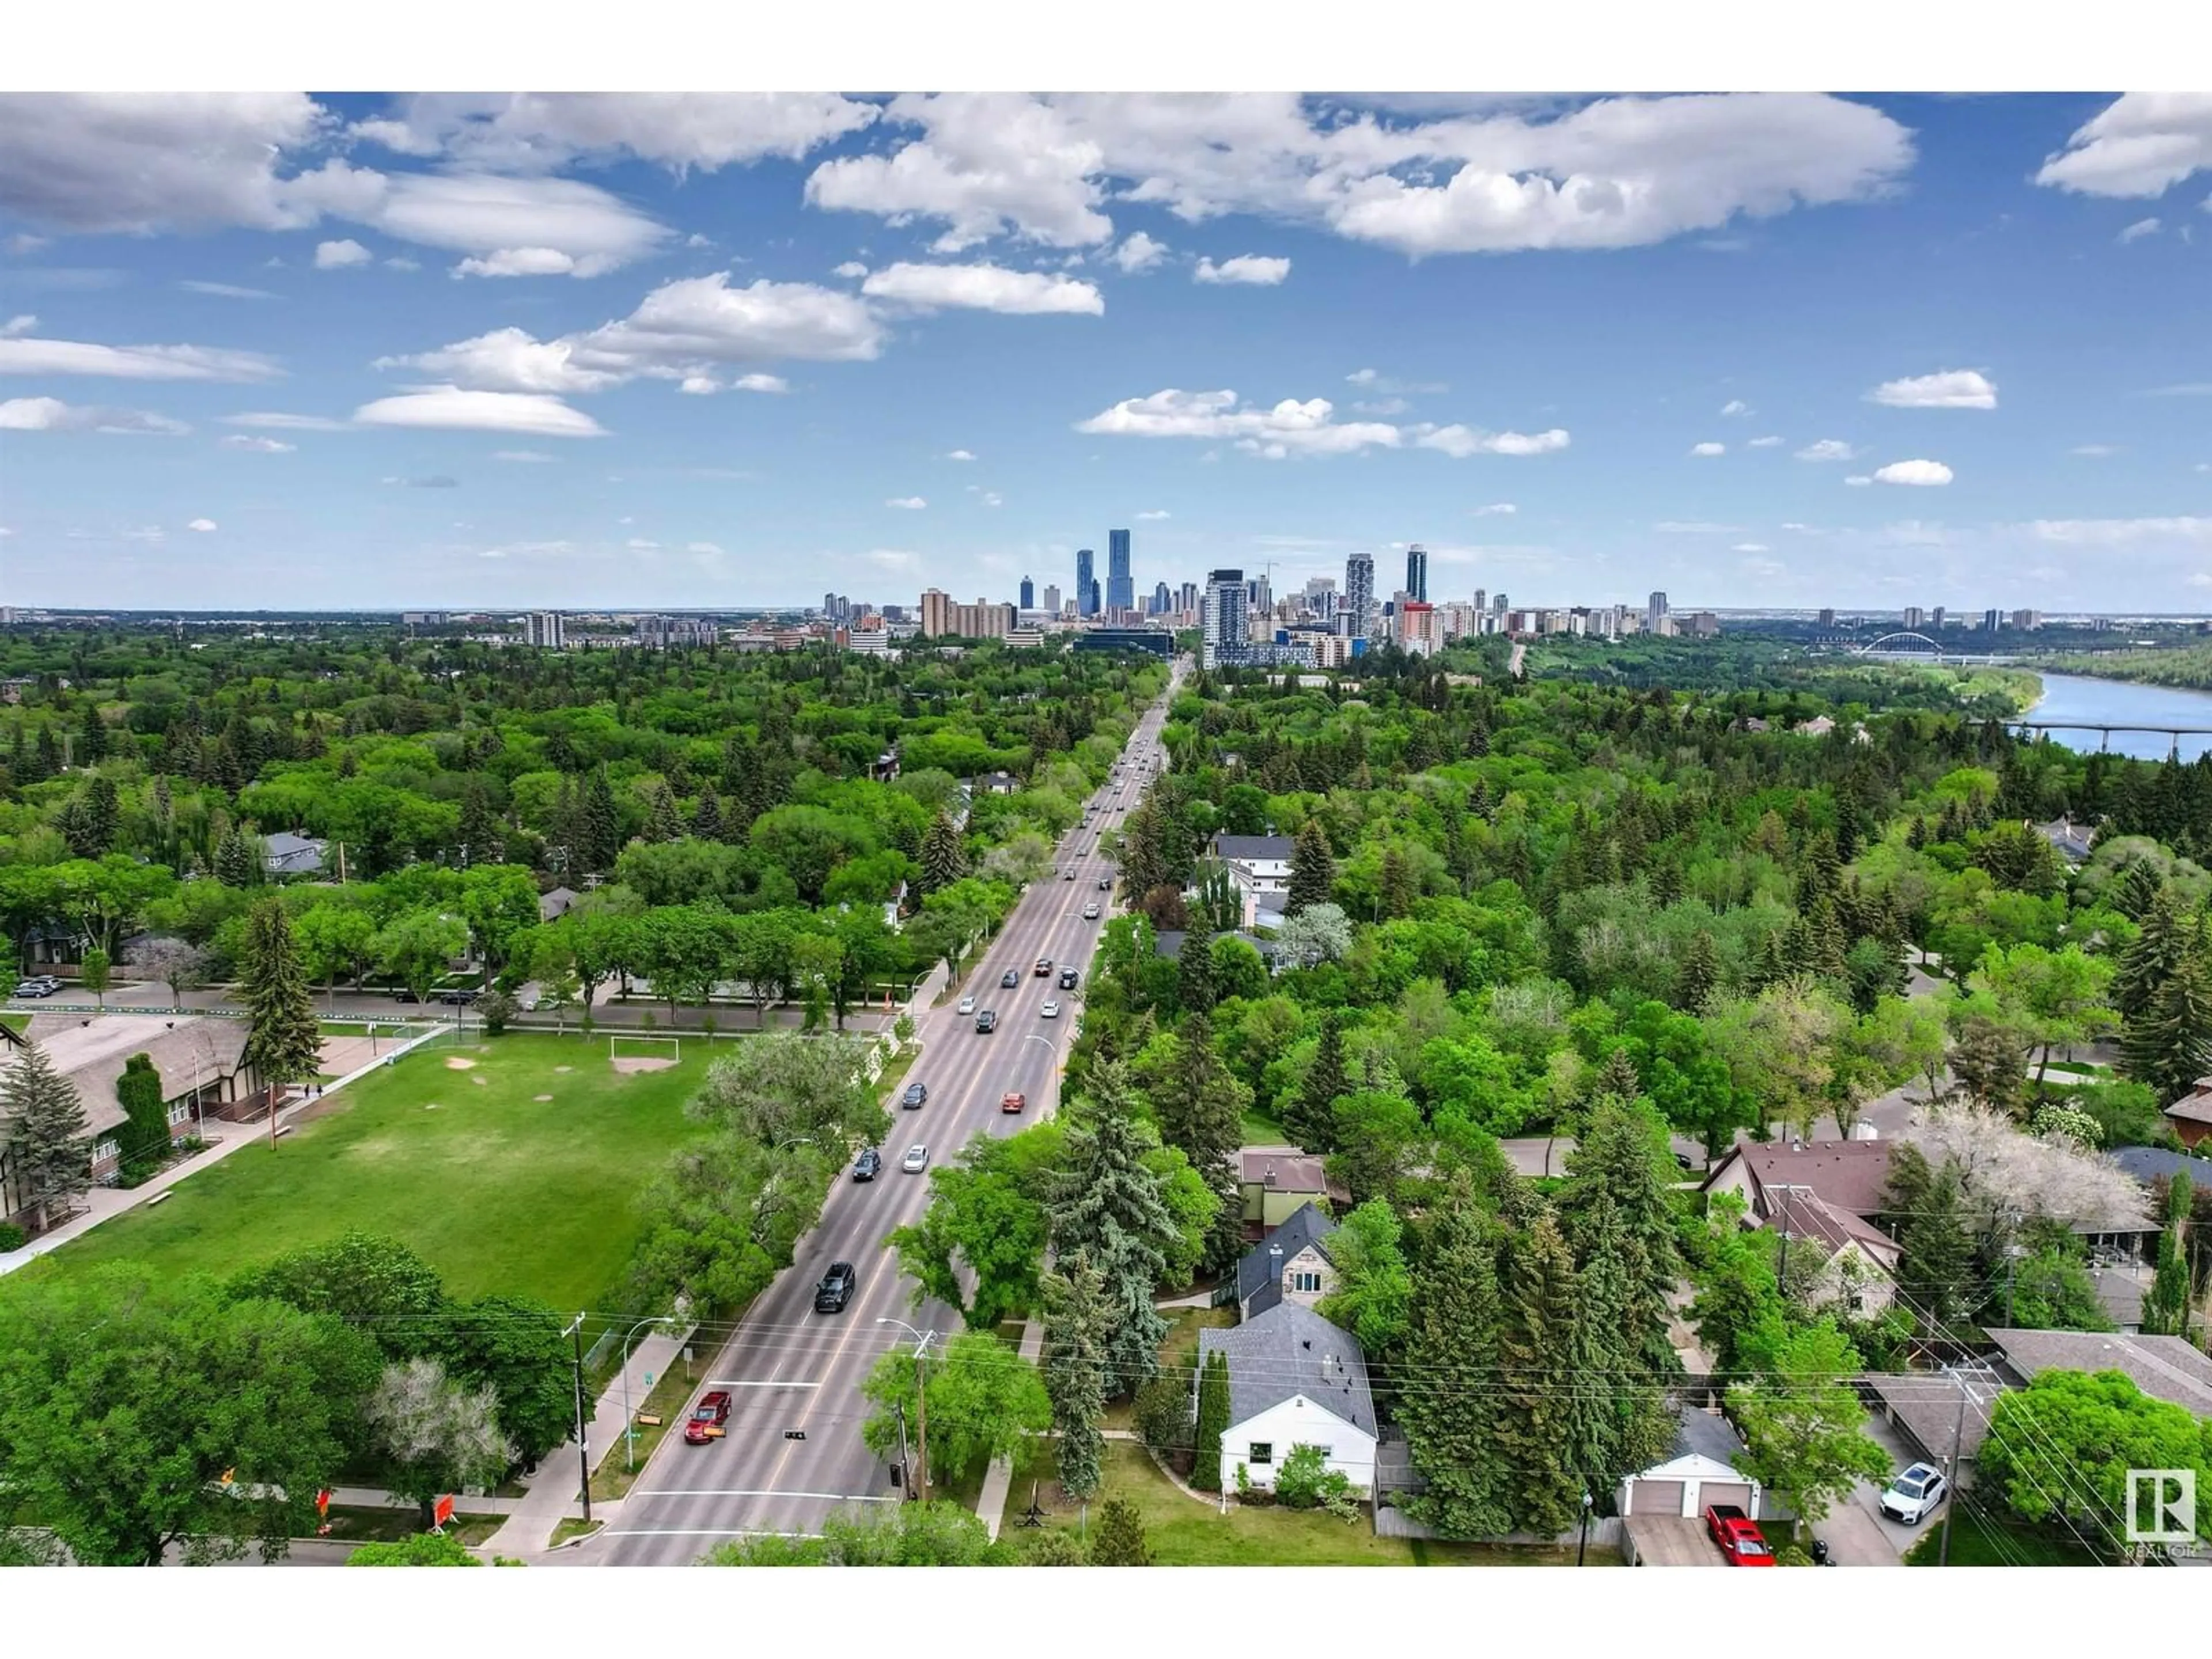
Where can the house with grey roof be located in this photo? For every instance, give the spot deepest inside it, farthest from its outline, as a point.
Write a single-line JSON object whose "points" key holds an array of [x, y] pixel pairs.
{"points": [[1698, 1470], [2067, 838], [287, 854], [2165, 1368], [1292, 1264], [1294, 1380], [1260, 870]]}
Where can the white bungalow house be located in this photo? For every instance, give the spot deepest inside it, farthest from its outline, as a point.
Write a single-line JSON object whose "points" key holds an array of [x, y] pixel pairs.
{"points": [[1294, 1380]]}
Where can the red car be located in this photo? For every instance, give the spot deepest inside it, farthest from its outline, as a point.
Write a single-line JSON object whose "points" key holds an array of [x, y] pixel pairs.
{"points": [[1043, 967], [1740, 1539], [707, 1418], [1013, 1102]]}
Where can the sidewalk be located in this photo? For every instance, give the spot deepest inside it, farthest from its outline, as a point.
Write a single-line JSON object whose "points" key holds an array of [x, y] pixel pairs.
{"points": [[553, 1495], [991, 1502], [104, 1203]]}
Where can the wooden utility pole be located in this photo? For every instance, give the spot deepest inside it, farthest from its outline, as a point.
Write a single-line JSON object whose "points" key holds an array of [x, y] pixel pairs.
{"points": [[921, 1411]]}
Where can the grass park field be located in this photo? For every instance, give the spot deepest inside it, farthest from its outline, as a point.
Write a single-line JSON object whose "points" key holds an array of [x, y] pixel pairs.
{"points": [[510, 1164]]}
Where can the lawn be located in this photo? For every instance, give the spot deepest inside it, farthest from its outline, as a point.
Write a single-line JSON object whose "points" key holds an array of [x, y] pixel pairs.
{"points": [[1185, 1532], [1261, 1130], [499, 1189], [1993, 1540], [1178, 1351]]}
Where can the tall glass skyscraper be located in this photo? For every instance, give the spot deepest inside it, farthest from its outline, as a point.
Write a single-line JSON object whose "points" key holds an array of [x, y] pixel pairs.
{"points": [[1360, 593], [1121, 587], [1028, 594], [1417, 571], [1085, 605]]}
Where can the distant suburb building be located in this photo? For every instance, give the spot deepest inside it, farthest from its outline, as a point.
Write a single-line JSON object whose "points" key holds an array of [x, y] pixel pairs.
{"points": [[546, 629]]}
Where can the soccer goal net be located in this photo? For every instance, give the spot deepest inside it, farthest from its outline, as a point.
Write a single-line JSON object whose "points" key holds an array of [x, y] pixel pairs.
{"points": [[629, 1045]]}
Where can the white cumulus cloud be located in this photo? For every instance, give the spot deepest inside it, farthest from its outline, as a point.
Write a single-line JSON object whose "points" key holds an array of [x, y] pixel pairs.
{"points": [[1138, 252], [2137, 231], [52, 414], [1770, 441], [1708, 450], [1913, 472], [850, 268], [337, 256], [1460, 441], [911, 503], [454, 408], [1735, 406], [541, 132], [960, 455], [1307, 428], [1258, 269], [984, 287], [203, 525], [1828, 449], [769, 383], [1950, 388], [2142, 145]]}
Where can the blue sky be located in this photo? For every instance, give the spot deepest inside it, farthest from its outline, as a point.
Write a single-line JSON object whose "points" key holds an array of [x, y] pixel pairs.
{"points": [[291, 351]]}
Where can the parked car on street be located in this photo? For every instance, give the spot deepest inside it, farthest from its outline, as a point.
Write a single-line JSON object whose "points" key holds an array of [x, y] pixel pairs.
{"points": [[868, 1166], [34, 988], [836, 1289], [707, 1418], [915, 1094], [457, 999], [987, 1022], [916, 1160], [1738, 1536], [1914, 1495]]}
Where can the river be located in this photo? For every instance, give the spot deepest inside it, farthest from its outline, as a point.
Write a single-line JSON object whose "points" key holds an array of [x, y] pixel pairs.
{"points": [[2094, 702]]}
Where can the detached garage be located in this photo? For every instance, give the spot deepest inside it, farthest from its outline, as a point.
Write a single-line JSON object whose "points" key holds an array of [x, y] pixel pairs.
{"points": [[1701, 1472]]}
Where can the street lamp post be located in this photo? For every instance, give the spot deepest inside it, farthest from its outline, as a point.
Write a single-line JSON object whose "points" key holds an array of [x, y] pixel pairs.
{"points": [[630, 1428], [921, 1342], [1582, 1545], [1033, 1036]]}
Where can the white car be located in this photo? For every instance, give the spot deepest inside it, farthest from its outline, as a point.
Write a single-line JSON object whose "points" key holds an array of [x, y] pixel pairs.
{"points": [[1050, 1011], [1091, 911], [967, 1005], [1914, 1495], [916, 1159]]}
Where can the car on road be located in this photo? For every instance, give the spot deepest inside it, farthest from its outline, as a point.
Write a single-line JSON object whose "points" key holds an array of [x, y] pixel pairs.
{"points": [[1105, 884], [1068, 977], [403, 994], [868, 1166], [916, 1159], [457, 999], [1091, 911], [1738, 1536], [967, 1005], [987, 1022], [707, 1418], [836, 1288], [1043, 967], [915, 1094], [1050, 1011], [34, 988], [1913, 1496], [1013, 1101], [1008, 979]]}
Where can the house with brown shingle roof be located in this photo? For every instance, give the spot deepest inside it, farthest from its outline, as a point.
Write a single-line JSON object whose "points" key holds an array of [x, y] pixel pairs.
{"points": [[2191, 1115], [1825, 1192]]}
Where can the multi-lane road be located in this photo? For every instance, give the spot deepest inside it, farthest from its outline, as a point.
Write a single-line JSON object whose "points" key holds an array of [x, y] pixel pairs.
{"points": [[791, 1372]]}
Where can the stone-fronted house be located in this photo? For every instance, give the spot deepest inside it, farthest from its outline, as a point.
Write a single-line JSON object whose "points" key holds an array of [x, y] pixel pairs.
{"points": [[1294, 1380], [1292, 1264]]}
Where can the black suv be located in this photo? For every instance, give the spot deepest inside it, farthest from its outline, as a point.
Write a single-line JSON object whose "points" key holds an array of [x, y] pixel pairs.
{"points": [[836, 1289], [987, 1022], [868, 1166], [1008, 979], [1067, 979]]}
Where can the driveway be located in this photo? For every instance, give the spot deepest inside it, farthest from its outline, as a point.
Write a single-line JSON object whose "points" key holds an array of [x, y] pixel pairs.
{"points": [[1857, 1532]]}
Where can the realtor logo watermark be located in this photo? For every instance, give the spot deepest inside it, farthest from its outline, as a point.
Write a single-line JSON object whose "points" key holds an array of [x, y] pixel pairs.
{"points": [[2161, 1506]]}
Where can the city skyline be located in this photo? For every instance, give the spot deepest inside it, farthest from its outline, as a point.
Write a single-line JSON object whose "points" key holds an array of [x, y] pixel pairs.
{"points": [[272, 351]]}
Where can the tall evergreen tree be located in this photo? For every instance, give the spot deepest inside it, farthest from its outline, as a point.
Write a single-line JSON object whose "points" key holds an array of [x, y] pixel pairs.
{"points": [[1935, 1263], [2152, 956], [1078, 1324], [1108, 1207], [1212, 1419], [707, 817], [1195, 971], [1617, 1419], [663, 821], [284, 1044], [944, 858], [236, 861], [1313, 869], [1619, 1196], [91, 746], [478, 833], [601, 823], [1311, 1113], [1449, 1415], [2165, 1310], [48, 752], [1698, 975], [1535, 1381], [139, 1093], [2167, 1043], [43, 1126], [1199, 1103]]}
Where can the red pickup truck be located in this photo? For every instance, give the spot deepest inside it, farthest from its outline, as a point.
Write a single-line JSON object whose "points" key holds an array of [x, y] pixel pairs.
{"points": [[1740, 1539]]}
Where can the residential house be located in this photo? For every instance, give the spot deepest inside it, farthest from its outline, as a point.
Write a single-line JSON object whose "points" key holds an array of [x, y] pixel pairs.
{"points": [[200, 1061], [2068, 839], [1277, 1180], [2191, 1115], [1942, 1416], [1828, 1193], [555, 903], [2149, 1163], [994, 783], [1260, 870], [1292, 1264], [287, 854], [1169, 943], [1699, 1470], [2168, 1367], [1294, 1380], [1819, 726]]}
